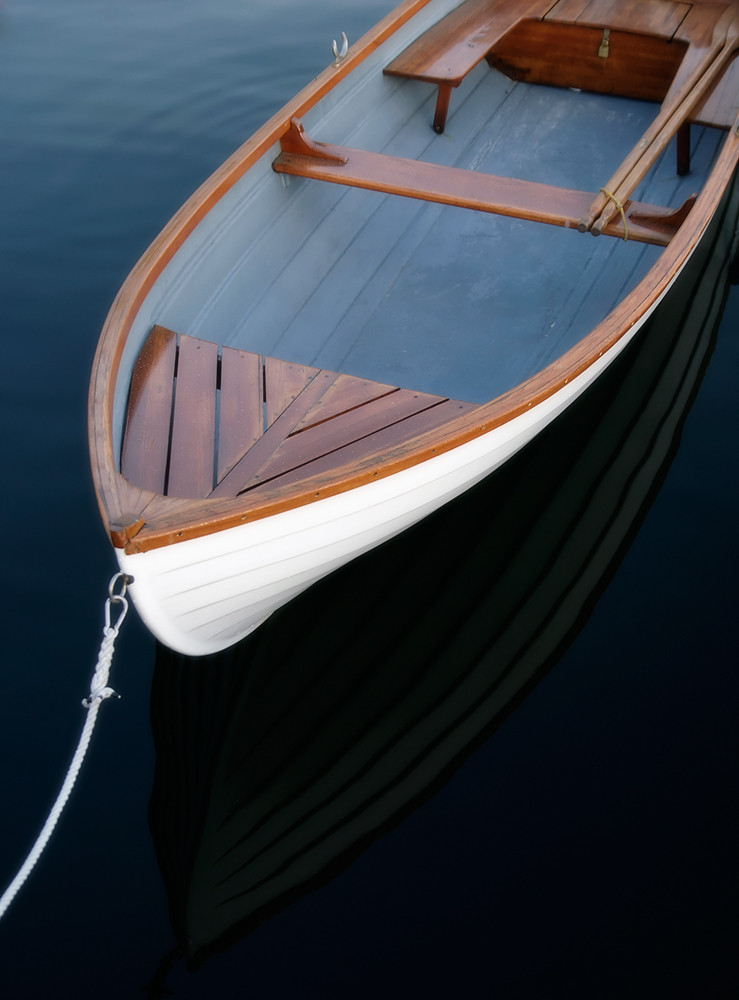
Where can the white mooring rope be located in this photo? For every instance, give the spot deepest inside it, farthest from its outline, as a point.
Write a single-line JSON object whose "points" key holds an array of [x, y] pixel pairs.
{"points": [[99, 691]]}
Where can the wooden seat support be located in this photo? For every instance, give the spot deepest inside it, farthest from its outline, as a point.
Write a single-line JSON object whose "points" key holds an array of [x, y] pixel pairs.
{"points": [[465, 188]]}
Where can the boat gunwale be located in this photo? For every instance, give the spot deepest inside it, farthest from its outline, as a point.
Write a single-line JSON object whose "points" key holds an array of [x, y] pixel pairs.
{"points": [[169, 519]]}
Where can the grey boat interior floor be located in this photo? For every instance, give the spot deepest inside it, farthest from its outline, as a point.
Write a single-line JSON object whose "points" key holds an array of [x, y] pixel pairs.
{"points": [[455, 302]]}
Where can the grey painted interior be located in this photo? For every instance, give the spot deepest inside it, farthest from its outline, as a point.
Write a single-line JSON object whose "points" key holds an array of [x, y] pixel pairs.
{"points": [[460, 303], [443, 300]]}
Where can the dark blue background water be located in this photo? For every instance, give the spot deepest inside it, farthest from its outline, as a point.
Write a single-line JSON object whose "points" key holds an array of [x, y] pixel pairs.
{"points": [[587, 850]]}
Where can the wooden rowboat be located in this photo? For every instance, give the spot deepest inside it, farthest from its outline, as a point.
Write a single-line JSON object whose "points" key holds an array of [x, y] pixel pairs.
{"points": [[296, 371], [298, 747]]}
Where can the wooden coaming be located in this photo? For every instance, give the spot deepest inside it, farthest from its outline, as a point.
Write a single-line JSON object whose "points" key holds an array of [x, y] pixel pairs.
{"points": [[168, 520]]}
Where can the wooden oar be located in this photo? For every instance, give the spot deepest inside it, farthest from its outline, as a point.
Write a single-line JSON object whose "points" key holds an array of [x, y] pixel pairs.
{"points": [[661, 141], [715, 55]]}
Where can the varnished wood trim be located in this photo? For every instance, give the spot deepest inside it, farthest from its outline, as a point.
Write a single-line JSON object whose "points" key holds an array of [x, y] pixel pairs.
{"points": [[124, 529]]}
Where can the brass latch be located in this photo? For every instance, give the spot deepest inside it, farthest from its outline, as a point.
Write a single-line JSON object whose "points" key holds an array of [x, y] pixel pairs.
{"points": [[605, 46]]}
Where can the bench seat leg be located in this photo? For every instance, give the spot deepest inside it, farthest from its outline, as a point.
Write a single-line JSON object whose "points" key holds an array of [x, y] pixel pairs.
{"points": [[442, 107], [683, 149]]}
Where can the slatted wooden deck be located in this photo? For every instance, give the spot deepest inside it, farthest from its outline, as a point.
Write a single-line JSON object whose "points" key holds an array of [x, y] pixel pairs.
{"points": [[208, 421]]}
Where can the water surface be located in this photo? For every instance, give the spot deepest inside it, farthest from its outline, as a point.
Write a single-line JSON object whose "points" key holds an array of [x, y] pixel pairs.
{"points": [[587, 849]]}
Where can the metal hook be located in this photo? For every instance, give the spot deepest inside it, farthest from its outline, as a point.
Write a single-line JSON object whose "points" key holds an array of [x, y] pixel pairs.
{"points": [[340, 56], [125, 582]]}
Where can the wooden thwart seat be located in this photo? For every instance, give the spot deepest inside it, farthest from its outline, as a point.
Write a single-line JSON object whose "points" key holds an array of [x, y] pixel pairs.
{"points": [[207, 422], [465, 188], [446, 53]]}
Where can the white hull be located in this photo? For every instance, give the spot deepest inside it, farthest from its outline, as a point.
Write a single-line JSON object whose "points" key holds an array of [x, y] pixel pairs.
{"points": [[201, 595]]}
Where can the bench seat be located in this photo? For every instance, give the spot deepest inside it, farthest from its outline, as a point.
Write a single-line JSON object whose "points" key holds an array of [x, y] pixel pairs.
{"points": [[634, 49]]}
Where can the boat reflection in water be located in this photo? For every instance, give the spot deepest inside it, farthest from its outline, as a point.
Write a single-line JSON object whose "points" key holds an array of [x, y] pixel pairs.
{"points": [[281, 759]]}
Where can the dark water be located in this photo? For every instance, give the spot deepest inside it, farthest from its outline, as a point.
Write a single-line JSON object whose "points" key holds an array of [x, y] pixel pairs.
{"points": [[588, 849]]}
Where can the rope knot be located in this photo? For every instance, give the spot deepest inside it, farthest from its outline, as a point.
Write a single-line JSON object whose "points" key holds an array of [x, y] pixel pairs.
{"points": [[620, 207], [99, 694]]}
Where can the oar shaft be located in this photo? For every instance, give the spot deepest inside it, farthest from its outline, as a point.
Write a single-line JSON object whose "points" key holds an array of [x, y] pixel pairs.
{"points": [[660, 142], [709, 63]]}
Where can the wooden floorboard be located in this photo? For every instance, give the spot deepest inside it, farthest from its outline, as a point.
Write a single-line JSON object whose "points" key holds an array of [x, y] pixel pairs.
{"points": [[323, 412], [241, 417], [194, 420], [347, 393], [149, 414], [285, 423], [369, 450], [358, 423], [283, 382]]}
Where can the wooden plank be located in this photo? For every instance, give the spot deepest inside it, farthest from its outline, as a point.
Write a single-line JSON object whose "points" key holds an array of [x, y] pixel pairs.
{"points": [[241, 415], [283, 383], [288, 420], [721, 108], [567, 11], [449, 50], [661, 18], [345, 394], [369, 450], [146, 438], [194, 420], [461, 188], [324, 438]]}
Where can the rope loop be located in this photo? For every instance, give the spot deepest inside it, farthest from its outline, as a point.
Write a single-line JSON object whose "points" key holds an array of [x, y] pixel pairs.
{"points": [[115, 627], [620, 207], [99, 692]]}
